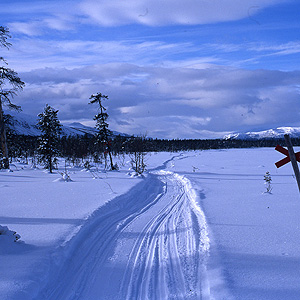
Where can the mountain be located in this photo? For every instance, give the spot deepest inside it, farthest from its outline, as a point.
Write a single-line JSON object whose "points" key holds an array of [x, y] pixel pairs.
{"points": [[23, 124], [279, 132]]}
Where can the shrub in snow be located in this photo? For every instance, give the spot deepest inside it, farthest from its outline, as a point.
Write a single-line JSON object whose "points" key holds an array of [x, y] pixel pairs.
{"points": [[116, 167], [137, 160], [134, 174], [137, 157], [122, 157], [75, 162], [268, 180], [195, 168], [8, 235], [87, 165], [2, 162], [65, 176]]}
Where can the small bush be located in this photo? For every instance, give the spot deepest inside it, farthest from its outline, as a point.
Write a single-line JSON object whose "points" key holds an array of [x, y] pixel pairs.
{"points": [[268, 180]]}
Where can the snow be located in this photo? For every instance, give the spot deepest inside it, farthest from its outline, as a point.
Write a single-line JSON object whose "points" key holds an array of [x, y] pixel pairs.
{"points": [[7, 237], [46, 213], [256, 234], [24, 124], [279, 132], [199, 225]]}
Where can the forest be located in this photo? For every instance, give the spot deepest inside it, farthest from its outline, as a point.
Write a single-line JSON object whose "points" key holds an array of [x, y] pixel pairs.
{"points": [[86, 146]]}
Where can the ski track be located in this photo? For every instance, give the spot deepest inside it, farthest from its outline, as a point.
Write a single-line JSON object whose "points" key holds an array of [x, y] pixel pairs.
{"points": [[165, 260]]}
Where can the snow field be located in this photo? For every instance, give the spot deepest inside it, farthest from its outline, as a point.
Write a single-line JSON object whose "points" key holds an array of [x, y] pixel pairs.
{"points": [[47, 213], [254, 235], [198, 226]]}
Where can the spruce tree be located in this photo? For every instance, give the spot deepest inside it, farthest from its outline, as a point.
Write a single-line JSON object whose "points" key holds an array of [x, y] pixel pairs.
{"points": [[50, 127], [10, 83], [104, 135], [268, 180]]}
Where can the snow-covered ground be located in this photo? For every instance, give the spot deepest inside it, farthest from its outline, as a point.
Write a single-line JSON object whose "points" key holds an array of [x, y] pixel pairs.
{"points": [[198, 226]]}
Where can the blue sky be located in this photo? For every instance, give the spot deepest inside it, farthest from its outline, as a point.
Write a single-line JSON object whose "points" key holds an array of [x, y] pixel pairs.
{"points": [[171, 69]]}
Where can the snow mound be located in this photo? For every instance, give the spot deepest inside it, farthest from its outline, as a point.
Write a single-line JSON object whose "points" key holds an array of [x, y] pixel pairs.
{"points": [[65, 177], [9, 235], [7, 239]]}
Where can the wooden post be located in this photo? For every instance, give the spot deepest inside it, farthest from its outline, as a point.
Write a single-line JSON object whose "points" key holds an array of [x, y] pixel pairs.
{"points": [[293, 158]]}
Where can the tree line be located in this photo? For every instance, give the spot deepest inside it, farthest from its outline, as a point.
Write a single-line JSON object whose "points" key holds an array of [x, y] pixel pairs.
{"points": [[83, 146]]}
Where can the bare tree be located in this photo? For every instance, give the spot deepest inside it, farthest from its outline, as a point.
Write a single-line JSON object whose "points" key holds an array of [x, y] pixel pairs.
{"points": [[10, 83], [138, 154]]}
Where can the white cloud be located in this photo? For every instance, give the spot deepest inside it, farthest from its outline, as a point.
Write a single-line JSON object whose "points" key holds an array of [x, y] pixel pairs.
{"points": [[39, 27], [32, 18], [280, 49], [169, 12], [33, 53], [259, 50], [60, 23], [29, 28]]}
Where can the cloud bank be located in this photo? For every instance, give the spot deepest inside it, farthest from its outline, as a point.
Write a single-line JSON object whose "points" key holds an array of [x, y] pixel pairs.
{"points": [[169, 102]]}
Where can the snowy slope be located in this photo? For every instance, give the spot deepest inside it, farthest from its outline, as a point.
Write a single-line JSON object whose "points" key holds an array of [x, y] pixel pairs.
{"points": [[26, 125], [23, 124], [271, 133]]}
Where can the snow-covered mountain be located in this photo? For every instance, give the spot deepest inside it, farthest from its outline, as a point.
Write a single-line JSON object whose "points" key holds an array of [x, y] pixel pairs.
{"points": [[23, 124], [266, 134]]}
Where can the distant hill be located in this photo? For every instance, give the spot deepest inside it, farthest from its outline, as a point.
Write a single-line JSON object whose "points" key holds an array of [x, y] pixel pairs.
{"points": [[23, 124], [279, 132]]}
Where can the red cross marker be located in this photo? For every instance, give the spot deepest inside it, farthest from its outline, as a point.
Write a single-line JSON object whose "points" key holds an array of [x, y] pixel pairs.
{"points": [[287, 158], [291, 156]]}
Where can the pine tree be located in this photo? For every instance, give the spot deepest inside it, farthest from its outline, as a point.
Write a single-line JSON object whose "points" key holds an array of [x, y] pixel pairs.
{"points": [[48, 144], [104, 135], [10, 83]]}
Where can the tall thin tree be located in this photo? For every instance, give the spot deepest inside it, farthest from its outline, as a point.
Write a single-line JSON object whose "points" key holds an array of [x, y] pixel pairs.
{"points": [[104, 135], [10, 83], [50, 126]]}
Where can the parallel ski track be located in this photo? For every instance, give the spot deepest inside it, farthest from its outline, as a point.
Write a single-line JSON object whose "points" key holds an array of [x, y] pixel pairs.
{"points": [[87, 252], [168, 259]]}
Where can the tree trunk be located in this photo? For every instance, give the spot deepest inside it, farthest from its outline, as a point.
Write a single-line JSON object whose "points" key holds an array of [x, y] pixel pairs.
{"points": [[111, 161], [50, 163], [112, 167], [3, 139]]}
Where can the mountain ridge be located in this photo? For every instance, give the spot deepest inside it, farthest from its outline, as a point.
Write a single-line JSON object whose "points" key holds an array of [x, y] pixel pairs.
{"points": [[278, 132], [23, 124]]}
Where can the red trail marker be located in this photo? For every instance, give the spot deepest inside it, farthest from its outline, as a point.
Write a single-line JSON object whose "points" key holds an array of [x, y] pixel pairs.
{"points": [[291, 156], [287, 159]]}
